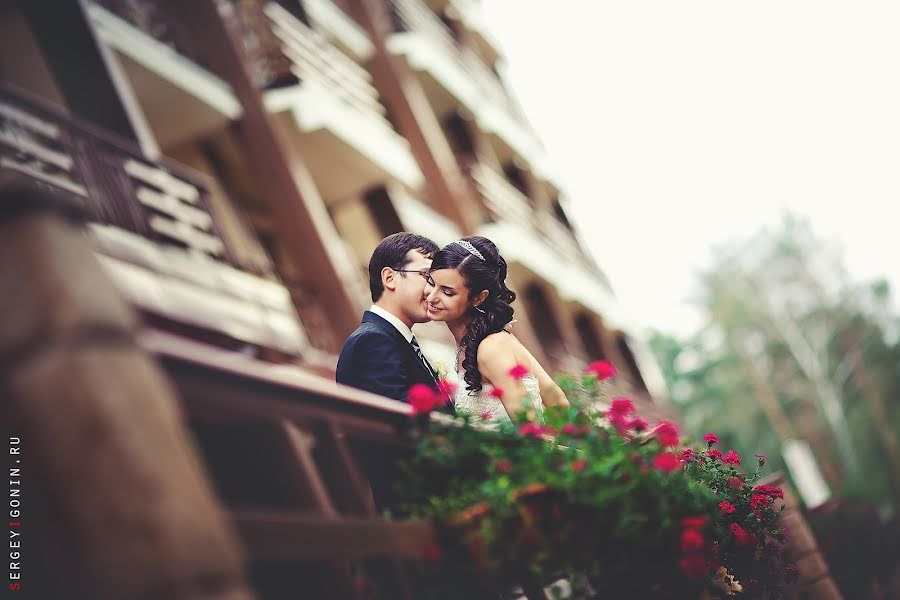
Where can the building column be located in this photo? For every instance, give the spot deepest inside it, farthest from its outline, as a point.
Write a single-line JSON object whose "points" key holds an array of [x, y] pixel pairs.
{"points": [[302, 222], [88, 73], [416, 120]]}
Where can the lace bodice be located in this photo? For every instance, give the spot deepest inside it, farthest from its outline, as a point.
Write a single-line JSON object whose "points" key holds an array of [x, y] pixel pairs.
{"points": [[481, 403]]}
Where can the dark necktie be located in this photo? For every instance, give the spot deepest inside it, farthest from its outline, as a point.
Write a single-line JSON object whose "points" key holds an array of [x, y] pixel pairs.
{"points": [[422, 360]]}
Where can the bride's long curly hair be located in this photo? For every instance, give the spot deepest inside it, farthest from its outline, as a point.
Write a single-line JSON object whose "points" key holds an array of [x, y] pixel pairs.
{"points": [[488, 274]]}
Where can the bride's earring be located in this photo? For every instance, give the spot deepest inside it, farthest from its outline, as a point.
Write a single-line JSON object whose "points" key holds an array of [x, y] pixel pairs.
{"points": [[479, 309]]}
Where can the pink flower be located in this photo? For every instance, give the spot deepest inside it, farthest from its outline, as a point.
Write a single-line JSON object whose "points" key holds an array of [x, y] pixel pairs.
{"points": [[693, 565], [687, 455], [637, 423], [496, 393], [667, 434], [569, 429], [447, 387], [486, 415], [732, 458], [530, 430], [761, 457], [714, 454], [726, 507], [621, 406], [579, 465], [735, 483], [518, 372], [711, 439], [423, 399], [503, 466], [666, 462], [603, 369], [691, 540]]}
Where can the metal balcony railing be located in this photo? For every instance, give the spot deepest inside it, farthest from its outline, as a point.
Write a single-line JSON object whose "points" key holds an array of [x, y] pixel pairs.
{"points": [[110, 178]]}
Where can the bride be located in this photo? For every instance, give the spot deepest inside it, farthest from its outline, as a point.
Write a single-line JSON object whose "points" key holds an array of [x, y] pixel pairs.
{"points": [[467, 290]]}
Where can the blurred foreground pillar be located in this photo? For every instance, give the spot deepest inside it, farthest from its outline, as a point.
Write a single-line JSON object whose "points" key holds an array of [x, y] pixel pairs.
{"points": [[815, 581], [114, 503]]}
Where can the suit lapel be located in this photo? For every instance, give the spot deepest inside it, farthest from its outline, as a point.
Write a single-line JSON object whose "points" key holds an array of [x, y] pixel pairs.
{"points": [[370, 317]]}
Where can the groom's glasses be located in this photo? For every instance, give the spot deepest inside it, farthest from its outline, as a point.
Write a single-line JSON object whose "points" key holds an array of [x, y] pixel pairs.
{"points": [[423, 274]]}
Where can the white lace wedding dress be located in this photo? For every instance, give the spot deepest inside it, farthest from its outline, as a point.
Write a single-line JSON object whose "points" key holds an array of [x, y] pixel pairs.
{"points": [[491, 410]]}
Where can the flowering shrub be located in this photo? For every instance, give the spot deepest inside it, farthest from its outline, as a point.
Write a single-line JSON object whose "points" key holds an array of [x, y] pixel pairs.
{"points": [[750, 540], [596, 493]]}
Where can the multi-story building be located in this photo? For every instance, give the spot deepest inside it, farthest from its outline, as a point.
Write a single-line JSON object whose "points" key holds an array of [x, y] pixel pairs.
{"points": [[240, 160]]}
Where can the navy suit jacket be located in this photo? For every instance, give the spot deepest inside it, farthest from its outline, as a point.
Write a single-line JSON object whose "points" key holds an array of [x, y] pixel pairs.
{"points": [[377, 358]]}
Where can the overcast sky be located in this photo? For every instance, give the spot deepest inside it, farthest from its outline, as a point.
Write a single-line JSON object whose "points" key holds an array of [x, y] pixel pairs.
{"points": [[679, 125]]}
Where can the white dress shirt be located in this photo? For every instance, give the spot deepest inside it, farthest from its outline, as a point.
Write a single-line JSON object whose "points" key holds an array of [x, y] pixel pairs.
{"points": [[399, 325]]}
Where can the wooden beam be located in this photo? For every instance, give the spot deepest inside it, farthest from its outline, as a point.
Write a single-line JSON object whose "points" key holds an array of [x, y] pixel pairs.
{"points": [[272, 536]]}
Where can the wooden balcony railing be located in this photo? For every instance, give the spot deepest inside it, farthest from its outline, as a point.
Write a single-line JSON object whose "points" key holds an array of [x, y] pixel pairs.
{"points": [[108, 176], [416, 16], [501, 197], [286, 51], [157, 20]]}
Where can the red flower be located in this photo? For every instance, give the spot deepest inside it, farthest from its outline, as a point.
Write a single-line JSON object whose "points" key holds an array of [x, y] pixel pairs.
{"points": [[761, 457], [496, 393], [759, 501], [503, 466], [446, 387], [732, 458], [741, 536], [770, 491], [518, 372], [486, 415], [621, 406], [638, 424], [735, 483], [667, 434], [530, 430], [711, 439], [691, 540], [693, 565], [714, 454], [666, 462], [726, 507], [687, 455], [579, 465], [698, 522], [603, 369], [423, 399]]}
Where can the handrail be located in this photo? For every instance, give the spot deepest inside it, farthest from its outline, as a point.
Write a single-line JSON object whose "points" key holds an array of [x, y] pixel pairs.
{"points": [[157, 199]]}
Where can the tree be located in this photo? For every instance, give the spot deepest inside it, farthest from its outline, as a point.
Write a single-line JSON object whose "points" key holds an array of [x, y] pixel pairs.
{"points": [[789, 337]]}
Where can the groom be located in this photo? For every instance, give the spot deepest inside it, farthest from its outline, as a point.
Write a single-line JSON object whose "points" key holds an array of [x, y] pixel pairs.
{"points": [[383, 356]]}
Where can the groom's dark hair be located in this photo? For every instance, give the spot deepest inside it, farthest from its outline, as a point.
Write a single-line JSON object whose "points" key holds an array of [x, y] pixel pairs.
{"points": [[391, 252]]}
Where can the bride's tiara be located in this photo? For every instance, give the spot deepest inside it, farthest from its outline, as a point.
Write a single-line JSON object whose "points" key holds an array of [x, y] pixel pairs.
{"points": [[469, 247]]}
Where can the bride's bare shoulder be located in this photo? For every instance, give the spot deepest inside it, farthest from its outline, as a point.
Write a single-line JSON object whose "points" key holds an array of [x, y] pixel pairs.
{"points": [[497, 344]]}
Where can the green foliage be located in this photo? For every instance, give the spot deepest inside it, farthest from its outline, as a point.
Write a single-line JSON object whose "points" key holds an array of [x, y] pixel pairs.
{"points": [[780, 308]]}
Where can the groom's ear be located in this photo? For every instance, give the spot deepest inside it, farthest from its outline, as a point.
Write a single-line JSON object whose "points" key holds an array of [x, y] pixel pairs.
{"points": [[387, 279]]}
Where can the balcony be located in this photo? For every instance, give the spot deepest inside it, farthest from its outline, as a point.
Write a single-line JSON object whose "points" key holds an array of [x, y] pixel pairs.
{"points": [[459, 75], [541, 244], [157, 55], [152, 225], [335, 111]]}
